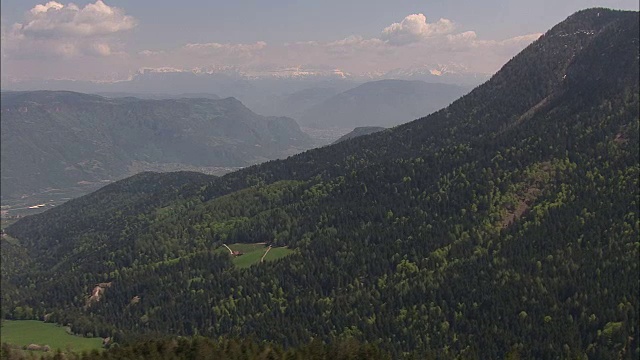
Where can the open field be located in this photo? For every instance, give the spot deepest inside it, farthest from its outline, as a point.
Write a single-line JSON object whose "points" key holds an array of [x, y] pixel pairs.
{"points": [[252, 253], [25, 332], [248, 248], [277, 253], [248, 259]]}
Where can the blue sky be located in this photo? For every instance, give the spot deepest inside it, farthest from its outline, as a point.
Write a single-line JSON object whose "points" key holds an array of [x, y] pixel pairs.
{"points": [[119, 37]]}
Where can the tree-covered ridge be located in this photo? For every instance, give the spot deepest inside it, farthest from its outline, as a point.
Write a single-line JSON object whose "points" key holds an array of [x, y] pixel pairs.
{"points": [[504, 225], [359, 131]]}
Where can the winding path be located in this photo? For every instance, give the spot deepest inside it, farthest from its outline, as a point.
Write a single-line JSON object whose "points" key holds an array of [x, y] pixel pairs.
{"points": [[230, 251], [265, 254]]}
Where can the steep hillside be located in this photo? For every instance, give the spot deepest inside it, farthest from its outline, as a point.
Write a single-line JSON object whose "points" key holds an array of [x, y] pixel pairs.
{"points": [[383, 103], [360, 131], [60, 139], [504, 226]]}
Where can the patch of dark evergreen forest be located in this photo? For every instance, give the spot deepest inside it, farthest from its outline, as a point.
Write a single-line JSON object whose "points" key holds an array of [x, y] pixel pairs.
{"points": [[207, 349]]}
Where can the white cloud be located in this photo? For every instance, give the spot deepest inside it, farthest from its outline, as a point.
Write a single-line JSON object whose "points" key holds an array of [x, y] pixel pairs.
{"points": [[54, 29], [407, 44], [44, 8], [466, 37], [415, 28], [55, 20], [69, 33]]}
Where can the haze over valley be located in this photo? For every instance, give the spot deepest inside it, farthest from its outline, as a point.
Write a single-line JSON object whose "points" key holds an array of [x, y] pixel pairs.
{"points": [[60, 144]]}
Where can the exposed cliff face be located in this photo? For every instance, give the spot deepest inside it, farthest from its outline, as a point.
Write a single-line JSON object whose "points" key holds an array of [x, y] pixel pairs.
{"points": [[97, 293]]}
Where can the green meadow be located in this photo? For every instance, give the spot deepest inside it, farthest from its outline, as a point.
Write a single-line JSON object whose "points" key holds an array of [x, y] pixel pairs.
{"points": [[277, 253], [25, 332], [252, 253]]}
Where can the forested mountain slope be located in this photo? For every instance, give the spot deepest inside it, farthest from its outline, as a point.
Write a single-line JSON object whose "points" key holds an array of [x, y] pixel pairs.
{"points": [[53, 139], [505, 225], [360, 131]]}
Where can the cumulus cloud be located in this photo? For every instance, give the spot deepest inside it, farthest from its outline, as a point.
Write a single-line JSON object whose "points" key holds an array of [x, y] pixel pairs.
{"points": [[465, 37], [415, 28], [38, 9], [54, 20], [70, 33], [67, 30], [409, 44]]}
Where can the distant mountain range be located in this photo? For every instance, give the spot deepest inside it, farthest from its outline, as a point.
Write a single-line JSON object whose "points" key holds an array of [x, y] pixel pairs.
{"points": [[228, 81], [298, 102], [159, 96], [53, 139], [454, 74], [277, 93], [381, 103]]}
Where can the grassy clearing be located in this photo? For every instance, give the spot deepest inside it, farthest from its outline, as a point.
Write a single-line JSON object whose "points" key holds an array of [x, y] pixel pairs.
{"points": [[248, 248], [25, 332], [252, 253], [248, 259], [277, 253], [10, 240]]}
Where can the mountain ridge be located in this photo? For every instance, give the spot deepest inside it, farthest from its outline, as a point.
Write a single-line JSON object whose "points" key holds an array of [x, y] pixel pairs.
{"points": [[360, 131], [383, 103], [90, 138]]}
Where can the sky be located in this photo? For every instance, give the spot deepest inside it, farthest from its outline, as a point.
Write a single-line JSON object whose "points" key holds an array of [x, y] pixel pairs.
{"points": [[111, 40]]}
